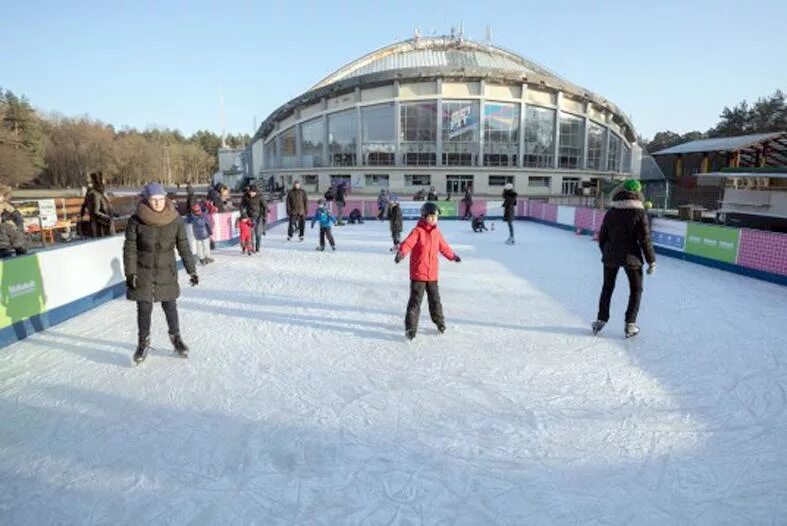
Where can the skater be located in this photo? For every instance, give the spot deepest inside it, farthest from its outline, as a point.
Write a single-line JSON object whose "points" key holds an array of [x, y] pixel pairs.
{"points": [[382, 204], [99, 208], [509, 210], [330, 195], [478, 224], [341, 191], [468, 201], [200, 224], [246, 227], [326, 219], [425, 241], [356, 217], [432, 195], [395, 218], [256, 209], [12, 227], [297, 206], [152, 235], [624, 236]]}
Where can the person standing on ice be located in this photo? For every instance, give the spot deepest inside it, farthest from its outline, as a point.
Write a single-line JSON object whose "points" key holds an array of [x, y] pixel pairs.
{"points": [[395, 219], [624, 236], [297, 206], [255, 207], [326, 220], [425, 241], [152, 235], [509, 210]]}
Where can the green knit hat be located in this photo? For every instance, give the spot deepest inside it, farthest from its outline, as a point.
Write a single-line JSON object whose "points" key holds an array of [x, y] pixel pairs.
{"points": [[632, 185]]}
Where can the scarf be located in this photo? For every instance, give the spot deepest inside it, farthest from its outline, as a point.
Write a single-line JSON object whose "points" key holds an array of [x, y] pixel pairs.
{"points": [[150, 217]]}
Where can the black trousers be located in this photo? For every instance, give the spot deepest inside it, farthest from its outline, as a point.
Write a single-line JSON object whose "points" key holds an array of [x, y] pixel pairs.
{"points": [[326, 232], [145, 309], [635, 292], [259, 228], [417, 289], [468, 210], [296, 221], [397, 237], [510, 228]]}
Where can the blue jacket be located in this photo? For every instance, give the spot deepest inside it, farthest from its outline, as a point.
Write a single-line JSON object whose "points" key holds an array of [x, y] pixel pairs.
{"points": [[201, 225], [324, 217]]}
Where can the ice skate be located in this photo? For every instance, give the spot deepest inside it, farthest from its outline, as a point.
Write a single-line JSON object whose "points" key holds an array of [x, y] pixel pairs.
{"points": [[409, 334], [631, 330], [441, 329], [142, 350], [597, 326], [319, 249], [180, 348]]}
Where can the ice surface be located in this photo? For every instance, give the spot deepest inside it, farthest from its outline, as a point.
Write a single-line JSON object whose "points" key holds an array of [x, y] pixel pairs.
{"points": [[302, 403]]}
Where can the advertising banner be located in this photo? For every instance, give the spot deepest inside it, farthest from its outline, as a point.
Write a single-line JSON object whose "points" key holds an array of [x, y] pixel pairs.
{"points": [[712, 242], [668, 233], [47, 213], [21, 290], [412, 209], [461, 120]]}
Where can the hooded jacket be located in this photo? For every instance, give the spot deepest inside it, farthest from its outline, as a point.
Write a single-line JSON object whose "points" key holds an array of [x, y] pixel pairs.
{"points": [[625, 233], [425, 241]]}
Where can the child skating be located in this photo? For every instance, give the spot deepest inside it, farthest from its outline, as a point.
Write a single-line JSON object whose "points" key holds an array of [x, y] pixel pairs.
{"points": [[425, 241], [326, 220], [246, 227]]}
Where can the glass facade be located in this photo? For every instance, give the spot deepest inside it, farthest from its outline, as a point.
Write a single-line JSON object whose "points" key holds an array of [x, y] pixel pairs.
{"points": [[460, 133], [342, 138], [287, 151], [501, 134], [270, 154], [418, 140], [596, 140], [625, 166], [378, 135], [312, 139], [613, 155], [572, 139], [539, 137]]}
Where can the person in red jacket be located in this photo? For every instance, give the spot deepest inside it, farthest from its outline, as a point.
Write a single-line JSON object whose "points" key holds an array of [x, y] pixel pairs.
{"points": [[246, 227], [425, 241]]}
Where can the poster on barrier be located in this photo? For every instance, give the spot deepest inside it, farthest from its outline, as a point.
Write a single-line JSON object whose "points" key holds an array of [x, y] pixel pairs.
{"points": [[713, 242], [412, 209], [21, 290], [668, 233]]}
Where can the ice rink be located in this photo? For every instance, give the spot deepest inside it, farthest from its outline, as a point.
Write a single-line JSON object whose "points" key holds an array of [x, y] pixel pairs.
{"points": [[302, 402]]}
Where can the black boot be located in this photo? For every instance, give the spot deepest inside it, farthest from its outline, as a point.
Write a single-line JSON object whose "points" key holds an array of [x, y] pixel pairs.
{"points": [[410, 334], [179, 346], [142, 350]]}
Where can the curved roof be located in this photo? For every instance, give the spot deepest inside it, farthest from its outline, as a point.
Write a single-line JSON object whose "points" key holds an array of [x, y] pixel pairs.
{"points": [[440, 52]]}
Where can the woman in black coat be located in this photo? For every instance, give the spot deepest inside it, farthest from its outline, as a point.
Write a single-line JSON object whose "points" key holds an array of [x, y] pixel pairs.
{"points": [[152, 235], [509, 210], [98, 206], [624, 237]]}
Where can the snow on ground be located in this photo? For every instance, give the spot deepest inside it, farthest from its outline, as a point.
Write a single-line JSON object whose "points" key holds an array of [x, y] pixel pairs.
{"points": [[302, 403]]}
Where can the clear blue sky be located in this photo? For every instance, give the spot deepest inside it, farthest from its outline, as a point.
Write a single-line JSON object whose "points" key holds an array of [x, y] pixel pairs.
{"points": [[671, 65]]}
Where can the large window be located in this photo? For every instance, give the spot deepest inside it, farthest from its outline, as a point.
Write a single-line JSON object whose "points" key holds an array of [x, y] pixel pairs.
{"points": [[419, 133], [460, 133], [378, 135], [312, 143], [539, 182], [270, 154], [613, 155], [287, 148], [596, 138], [539, 137], [501, 134], [570, 185], [342, 137], [457, 184], [625, 166], [500, 180], [418, 179], [572, 137], [380, 181]]}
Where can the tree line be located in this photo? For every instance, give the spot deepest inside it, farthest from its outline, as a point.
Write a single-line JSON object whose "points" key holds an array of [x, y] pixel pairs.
{"points": [[767, 114], [58, 151]]}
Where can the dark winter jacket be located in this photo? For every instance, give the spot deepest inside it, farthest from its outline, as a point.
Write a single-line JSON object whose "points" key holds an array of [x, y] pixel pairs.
{"points": [[297, 202], [509, 205], [431, 196], [425, 241], [149, 252], [625, 233], [330, 194], [468, 199], [478, 224], [340, 191], [214, 196], [395, 217], [98, 206], [191, 199], [255, 207], [201, 226]]}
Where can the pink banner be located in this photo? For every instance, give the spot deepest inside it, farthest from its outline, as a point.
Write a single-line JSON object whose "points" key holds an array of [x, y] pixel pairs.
{"points": [[762, 250], [583, 218]]}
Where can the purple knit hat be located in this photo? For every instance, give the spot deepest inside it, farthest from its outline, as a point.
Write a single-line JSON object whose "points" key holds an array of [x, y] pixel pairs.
{"points": [[152, 189]]}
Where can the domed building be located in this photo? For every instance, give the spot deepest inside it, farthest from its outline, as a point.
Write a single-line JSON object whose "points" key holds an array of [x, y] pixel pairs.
{"points": [[444, 112]]}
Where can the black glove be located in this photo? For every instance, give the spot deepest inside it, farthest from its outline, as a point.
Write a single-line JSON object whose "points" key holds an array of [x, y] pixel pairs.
{"points": [[194, 279], [457, 258], [131, 281], [398, 257]]}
